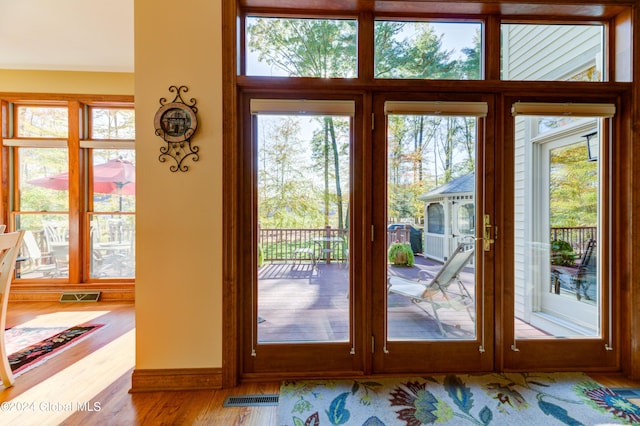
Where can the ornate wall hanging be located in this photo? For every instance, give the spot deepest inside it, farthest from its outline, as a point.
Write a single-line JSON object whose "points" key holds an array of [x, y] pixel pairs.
{"points": [[176, 122]]}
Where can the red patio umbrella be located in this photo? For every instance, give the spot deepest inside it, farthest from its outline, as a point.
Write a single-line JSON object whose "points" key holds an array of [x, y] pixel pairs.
{"points": [[113, 177]]}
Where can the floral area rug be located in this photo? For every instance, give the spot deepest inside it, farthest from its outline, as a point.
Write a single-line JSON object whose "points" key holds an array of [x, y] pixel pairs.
{"points": [[31, 346], [490, 399]]}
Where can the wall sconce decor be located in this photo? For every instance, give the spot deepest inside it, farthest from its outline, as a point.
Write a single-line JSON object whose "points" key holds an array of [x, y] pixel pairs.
{"points": [[176, 123]]}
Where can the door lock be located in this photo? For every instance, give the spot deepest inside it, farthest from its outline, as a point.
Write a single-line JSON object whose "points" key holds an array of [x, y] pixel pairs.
{"points": [[486, 237]]}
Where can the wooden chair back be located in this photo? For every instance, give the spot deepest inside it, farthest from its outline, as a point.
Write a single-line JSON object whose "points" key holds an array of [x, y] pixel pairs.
{"points": [[9, 247]]}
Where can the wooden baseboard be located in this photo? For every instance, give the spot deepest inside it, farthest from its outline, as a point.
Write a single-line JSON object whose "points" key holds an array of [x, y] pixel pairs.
{"points": [[182, 379], [109, 292]]}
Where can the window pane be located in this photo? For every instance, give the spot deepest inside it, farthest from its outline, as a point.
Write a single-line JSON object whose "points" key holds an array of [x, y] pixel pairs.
{"points": [[42, 122], [43, 179], [303, 234], [45, 247], [557, 222], [112, 248], [430, 171], [552, 52], [301, 47], [466, 220], [111, 123], [435, 219], [428, 50], [114, 180]]}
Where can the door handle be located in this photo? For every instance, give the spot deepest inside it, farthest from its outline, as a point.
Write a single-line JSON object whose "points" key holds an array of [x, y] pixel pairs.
{"points": [[486, 237]]}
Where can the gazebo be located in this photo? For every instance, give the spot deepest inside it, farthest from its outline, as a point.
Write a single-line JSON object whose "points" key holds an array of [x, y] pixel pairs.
{"points": [[449, 212]]}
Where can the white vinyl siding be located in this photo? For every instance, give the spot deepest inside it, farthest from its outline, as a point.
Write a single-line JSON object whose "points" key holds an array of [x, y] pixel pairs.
{"points": [[550, 52]]}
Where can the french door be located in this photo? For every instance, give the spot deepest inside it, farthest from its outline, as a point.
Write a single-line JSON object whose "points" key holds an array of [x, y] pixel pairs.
{"points": [[432, 301], [559, 183], [421, 240], [300, 313]]}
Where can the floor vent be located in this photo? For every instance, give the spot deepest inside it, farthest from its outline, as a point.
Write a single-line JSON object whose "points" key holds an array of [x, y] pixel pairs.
{"points": [[627, 392], [251, 400], [80, 296]]}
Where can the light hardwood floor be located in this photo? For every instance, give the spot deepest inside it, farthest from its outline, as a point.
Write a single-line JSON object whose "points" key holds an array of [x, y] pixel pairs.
{"points": [[96, 373]]}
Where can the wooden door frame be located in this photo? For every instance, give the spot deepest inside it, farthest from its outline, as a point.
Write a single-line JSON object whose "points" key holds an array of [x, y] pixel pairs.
{"points": [[590, 355], [480, 351], [623, 20], [335, 358]]}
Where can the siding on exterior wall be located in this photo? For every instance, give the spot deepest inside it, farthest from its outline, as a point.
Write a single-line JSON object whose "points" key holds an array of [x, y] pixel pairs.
{"points": [[555, 52], [520, 209], [535, 52]]}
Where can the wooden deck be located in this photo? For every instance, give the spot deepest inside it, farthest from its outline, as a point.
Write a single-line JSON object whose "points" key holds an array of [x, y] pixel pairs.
{"points": [[303, 302], [306, 302]]}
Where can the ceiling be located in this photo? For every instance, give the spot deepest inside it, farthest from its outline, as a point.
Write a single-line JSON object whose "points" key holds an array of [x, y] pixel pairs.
{"points": [[67, 35]]}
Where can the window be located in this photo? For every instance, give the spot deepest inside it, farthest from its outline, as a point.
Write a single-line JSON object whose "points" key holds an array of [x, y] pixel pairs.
{"points": [[559, 224], [303, 198], [428, 50], [41, 122], [428, 153], [54, 178], [291, 47], [466, 220], [552, 52], [435, 218]]}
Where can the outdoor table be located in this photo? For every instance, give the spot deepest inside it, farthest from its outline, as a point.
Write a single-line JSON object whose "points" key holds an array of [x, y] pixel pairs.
{"points": [[324, 244]]}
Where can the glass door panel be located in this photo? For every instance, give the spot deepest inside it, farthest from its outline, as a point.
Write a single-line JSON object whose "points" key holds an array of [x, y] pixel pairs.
{"points": [[561, 297], [433, 270], [557, 281], [303, 234], [300, 308], [431, 211]]}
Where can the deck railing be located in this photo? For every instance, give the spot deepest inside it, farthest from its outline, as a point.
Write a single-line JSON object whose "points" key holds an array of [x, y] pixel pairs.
{"points": [[578, 237], [281, 244], [400, 235]]}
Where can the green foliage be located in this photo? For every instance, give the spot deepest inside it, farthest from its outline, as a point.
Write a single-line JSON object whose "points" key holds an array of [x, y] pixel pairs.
{"points": [[414, 50], [401, 254], [562, 253], [260, 256], [306, 47], [424, 151], [299, 169], [573, 187]]}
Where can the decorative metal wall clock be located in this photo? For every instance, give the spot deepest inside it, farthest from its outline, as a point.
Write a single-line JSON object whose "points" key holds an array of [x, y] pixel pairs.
{"points": [[176, 123]]}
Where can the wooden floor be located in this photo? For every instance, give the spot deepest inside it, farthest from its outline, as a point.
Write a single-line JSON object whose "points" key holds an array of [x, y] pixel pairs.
{"points": [[95, 374]]}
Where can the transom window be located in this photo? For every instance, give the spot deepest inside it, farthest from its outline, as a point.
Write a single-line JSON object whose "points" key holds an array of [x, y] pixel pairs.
{"points": [[553, 52], [428, 50], [294, 47]]}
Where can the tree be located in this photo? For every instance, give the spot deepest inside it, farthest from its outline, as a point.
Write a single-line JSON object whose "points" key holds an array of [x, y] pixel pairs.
{"points": [[306, 47], [410, 50], [424, 151], [573, 188], [312, 48], [285, 191], [470, 67]]}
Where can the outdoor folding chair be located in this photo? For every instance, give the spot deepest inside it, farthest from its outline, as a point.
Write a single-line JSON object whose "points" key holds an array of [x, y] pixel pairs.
{"points": [[437, 291]]}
